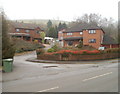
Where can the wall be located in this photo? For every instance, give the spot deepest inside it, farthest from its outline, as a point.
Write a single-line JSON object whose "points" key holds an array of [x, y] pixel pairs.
{"points": [[98, 36], [78, 57], [111, 46], [74, 34]]}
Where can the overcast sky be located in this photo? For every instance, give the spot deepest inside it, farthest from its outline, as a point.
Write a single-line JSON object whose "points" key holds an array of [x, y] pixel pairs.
{"points": [[66, 10]]}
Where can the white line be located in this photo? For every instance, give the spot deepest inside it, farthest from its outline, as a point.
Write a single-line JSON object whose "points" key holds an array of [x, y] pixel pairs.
{"points": [[48, 89], [97, 76]]}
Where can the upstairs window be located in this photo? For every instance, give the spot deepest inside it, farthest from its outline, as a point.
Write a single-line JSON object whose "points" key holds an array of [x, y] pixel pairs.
{"points": [[92, 40], [81, 33], [92, 31], [27, 31], [60, 32], [17, 30], [69, 33]]}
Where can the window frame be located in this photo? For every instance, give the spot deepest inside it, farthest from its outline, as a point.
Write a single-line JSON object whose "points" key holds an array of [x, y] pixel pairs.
{"points": [[38, 32], [92, 40], [92, 31], [27, 31], [69, 34], [17, 30]]}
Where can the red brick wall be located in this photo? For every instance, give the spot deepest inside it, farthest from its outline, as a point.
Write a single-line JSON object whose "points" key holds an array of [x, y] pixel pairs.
{"points": [[31, 32], [74, 34], [98, 36], [111, 46], [79, 57], [86, 36]]}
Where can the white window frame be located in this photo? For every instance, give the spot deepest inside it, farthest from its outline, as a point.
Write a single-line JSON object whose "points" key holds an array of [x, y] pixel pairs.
{"points": [[27, 31], [92, 40], [69, 33], [17, 30], [92, 31]]}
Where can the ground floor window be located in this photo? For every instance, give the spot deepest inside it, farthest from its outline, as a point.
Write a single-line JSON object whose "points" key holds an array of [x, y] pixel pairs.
{"points": [[70, 43], [92, 40]]}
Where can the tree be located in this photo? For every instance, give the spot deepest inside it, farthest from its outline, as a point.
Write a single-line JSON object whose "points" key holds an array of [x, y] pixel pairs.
{"points": [[59, 26], [108, 25], [42, 34], [49, 24], [8, 47], [62, 26]]}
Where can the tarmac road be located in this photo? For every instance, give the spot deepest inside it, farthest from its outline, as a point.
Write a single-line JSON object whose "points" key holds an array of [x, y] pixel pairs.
{"points": [[35, 77]]}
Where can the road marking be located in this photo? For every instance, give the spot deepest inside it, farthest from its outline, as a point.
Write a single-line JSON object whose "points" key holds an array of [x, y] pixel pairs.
{"points": [[48, 89], [96, 76]]}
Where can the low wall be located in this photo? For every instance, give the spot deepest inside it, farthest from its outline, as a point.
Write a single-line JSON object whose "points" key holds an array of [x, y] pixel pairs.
{"points": [[78, 57]]}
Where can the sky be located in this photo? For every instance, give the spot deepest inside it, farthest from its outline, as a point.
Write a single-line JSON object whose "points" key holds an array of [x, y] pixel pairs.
{"points": [[67, 10]]}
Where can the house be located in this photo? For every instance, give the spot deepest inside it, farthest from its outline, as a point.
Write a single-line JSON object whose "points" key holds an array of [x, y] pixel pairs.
{"points": [[90, 35], [26, 31], [109, 42]]}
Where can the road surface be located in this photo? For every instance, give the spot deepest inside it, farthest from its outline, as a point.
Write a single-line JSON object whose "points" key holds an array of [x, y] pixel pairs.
{"points": [[101, 77]]}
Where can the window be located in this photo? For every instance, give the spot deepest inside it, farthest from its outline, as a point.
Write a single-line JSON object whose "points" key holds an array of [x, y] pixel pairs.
{"points": [[69, 33], [92, 40], [70, 43], [81, 33], [92, 31], [37, 32], [27, 31], [61, 37], [60, 31], [17, 30]]}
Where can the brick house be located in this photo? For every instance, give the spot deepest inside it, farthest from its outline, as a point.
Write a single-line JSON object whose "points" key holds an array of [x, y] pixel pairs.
{"points": [[26, 31], [90, 35]]}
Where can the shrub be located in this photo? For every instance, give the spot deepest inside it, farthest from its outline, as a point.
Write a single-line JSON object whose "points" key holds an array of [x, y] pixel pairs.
{"points": [[40, 51], [51, 50], [80, 45], [23, 46], [112, 50], [55, 47]]}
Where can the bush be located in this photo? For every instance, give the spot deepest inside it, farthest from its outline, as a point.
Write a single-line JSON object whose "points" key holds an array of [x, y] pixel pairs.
{"points": [[112, 50], [23, 46], [55, 47], [40, 51], [51, 50]]}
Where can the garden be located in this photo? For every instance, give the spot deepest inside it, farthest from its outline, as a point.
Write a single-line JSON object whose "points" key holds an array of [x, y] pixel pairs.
{"points": [[76, 54]]}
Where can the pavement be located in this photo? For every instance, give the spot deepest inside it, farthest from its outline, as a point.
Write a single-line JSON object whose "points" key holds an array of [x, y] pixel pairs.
{"points": [[32, 77]]}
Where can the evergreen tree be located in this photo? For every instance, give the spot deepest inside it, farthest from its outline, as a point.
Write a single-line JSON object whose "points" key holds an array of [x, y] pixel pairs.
{"points": [[59, 26], [64, 26], [49, 24]]}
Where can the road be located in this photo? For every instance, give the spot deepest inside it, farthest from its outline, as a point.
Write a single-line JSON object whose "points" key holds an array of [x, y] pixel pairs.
{"points": [[102, 77]]}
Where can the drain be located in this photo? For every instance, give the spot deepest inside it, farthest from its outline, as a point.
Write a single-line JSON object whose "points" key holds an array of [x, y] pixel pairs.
{"points": [[49, 66]]}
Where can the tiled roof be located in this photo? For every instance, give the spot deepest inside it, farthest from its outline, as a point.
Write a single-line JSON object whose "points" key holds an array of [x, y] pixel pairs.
{"points": [[81, 27], [25, 25], [108, 40]]}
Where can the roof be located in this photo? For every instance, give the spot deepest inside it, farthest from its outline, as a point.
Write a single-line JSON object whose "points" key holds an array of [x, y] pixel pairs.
{"points": [[82, 26], [25, 25], [108, 40], [73, 38]]}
